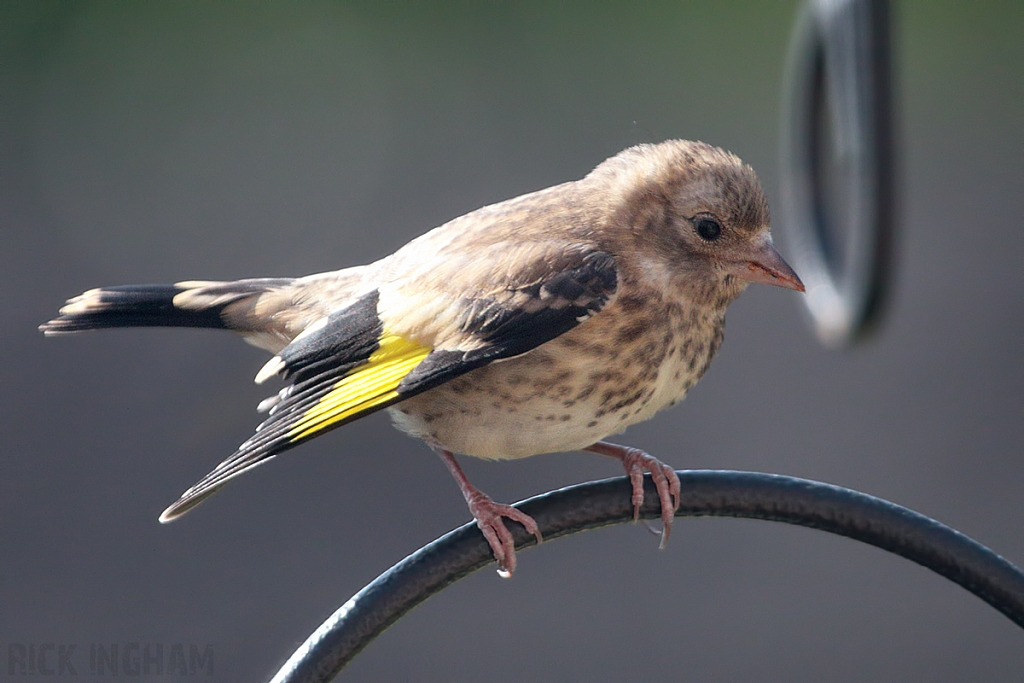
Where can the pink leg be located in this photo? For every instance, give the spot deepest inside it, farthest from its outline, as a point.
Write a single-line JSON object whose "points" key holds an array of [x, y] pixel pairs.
{"points": [[488, 516], [665, 480]]}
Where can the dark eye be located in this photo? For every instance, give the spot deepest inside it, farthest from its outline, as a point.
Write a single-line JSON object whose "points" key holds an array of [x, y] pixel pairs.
{"points": [[708, 228]]}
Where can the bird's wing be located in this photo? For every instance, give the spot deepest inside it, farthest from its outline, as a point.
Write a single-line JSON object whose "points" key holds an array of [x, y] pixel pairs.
{"points": [[370, 355]]}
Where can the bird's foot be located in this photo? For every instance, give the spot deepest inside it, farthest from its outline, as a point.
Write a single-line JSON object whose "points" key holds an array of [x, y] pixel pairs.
{"points": [[665, 479], [488, 516]]}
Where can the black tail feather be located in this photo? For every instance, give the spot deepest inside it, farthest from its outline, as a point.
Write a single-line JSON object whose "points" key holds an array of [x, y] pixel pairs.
{"points": [[129, 306], [154, 305]]}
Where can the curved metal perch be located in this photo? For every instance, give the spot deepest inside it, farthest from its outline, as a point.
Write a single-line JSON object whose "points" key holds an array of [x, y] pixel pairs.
{"points": [[705, 493]]}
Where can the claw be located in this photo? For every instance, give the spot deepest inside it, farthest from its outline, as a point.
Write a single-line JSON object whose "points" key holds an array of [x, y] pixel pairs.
{"points": [[665, 479], [488, 516]]}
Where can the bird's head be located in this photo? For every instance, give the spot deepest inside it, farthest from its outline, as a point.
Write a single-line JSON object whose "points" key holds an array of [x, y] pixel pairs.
{"points": [[698, 213]]}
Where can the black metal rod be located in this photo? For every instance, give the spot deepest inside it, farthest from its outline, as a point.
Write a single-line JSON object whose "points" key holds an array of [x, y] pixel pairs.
{"points": [[705, 493], [838, 163]]}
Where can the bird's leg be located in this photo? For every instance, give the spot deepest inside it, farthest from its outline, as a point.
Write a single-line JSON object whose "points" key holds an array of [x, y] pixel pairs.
{"points": [[665, 480], [488, 516]]}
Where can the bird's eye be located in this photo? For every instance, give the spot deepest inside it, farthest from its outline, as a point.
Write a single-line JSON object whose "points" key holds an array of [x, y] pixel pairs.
{"points": [[708, 228]]}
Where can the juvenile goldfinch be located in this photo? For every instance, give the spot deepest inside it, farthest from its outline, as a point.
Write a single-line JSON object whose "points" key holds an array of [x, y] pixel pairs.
{"points": [[540, 324]]}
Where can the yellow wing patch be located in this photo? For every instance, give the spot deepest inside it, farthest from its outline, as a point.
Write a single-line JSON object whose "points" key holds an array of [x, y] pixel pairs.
{"points": [[366, 387]]}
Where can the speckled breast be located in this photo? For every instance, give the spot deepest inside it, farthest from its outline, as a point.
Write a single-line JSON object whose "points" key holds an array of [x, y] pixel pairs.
{"points": [[617, 369]]}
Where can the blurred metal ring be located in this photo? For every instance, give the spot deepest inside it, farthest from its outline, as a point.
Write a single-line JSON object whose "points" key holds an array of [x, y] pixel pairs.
{"points": [[837, 160]]}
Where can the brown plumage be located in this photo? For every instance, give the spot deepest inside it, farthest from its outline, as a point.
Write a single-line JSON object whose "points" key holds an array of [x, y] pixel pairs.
{"points": [[540, 324]]}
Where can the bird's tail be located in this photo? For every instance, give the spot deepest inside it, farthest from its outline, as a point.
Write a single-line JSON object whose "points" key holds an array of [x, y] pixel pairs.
{"points": [[224, 305]]}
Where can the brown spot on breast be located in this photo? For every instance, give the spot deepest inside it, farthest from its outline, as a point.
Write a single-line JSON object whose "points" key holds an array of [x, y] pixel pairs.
{"points": [[652, 352], [605, 377], [717, 338], [625, 402], [562, 391], [632, 303], [550, 381], [631, 332]]}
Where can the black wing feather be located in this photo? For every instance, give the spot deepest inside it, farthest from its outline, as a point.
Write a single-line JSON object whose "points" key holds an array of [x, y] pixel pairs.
{"points": [[315, 362], [568, 298], [526, 317]]}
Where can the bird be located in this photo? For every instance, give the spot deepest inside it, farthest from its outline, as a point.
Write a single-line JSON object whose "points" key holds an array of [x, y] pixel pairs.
{"points": [[541, 324]]}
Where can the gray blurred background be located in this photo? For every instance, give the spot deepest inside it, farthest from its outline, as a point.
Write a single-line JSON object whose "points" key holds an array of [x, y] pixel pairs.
{"points": [[160, 142]]}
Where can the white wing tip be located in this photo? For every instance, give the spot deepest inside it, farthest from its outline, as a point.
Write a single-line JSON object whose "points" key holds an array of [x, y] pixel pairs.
{"points": [[272, 367], [83, 303], [268, 403]]}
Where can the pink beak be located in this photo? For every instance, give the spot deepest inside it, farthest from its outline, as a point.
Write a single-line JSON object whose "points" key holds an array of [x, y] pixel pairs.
{"points": [[765, 265]]}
